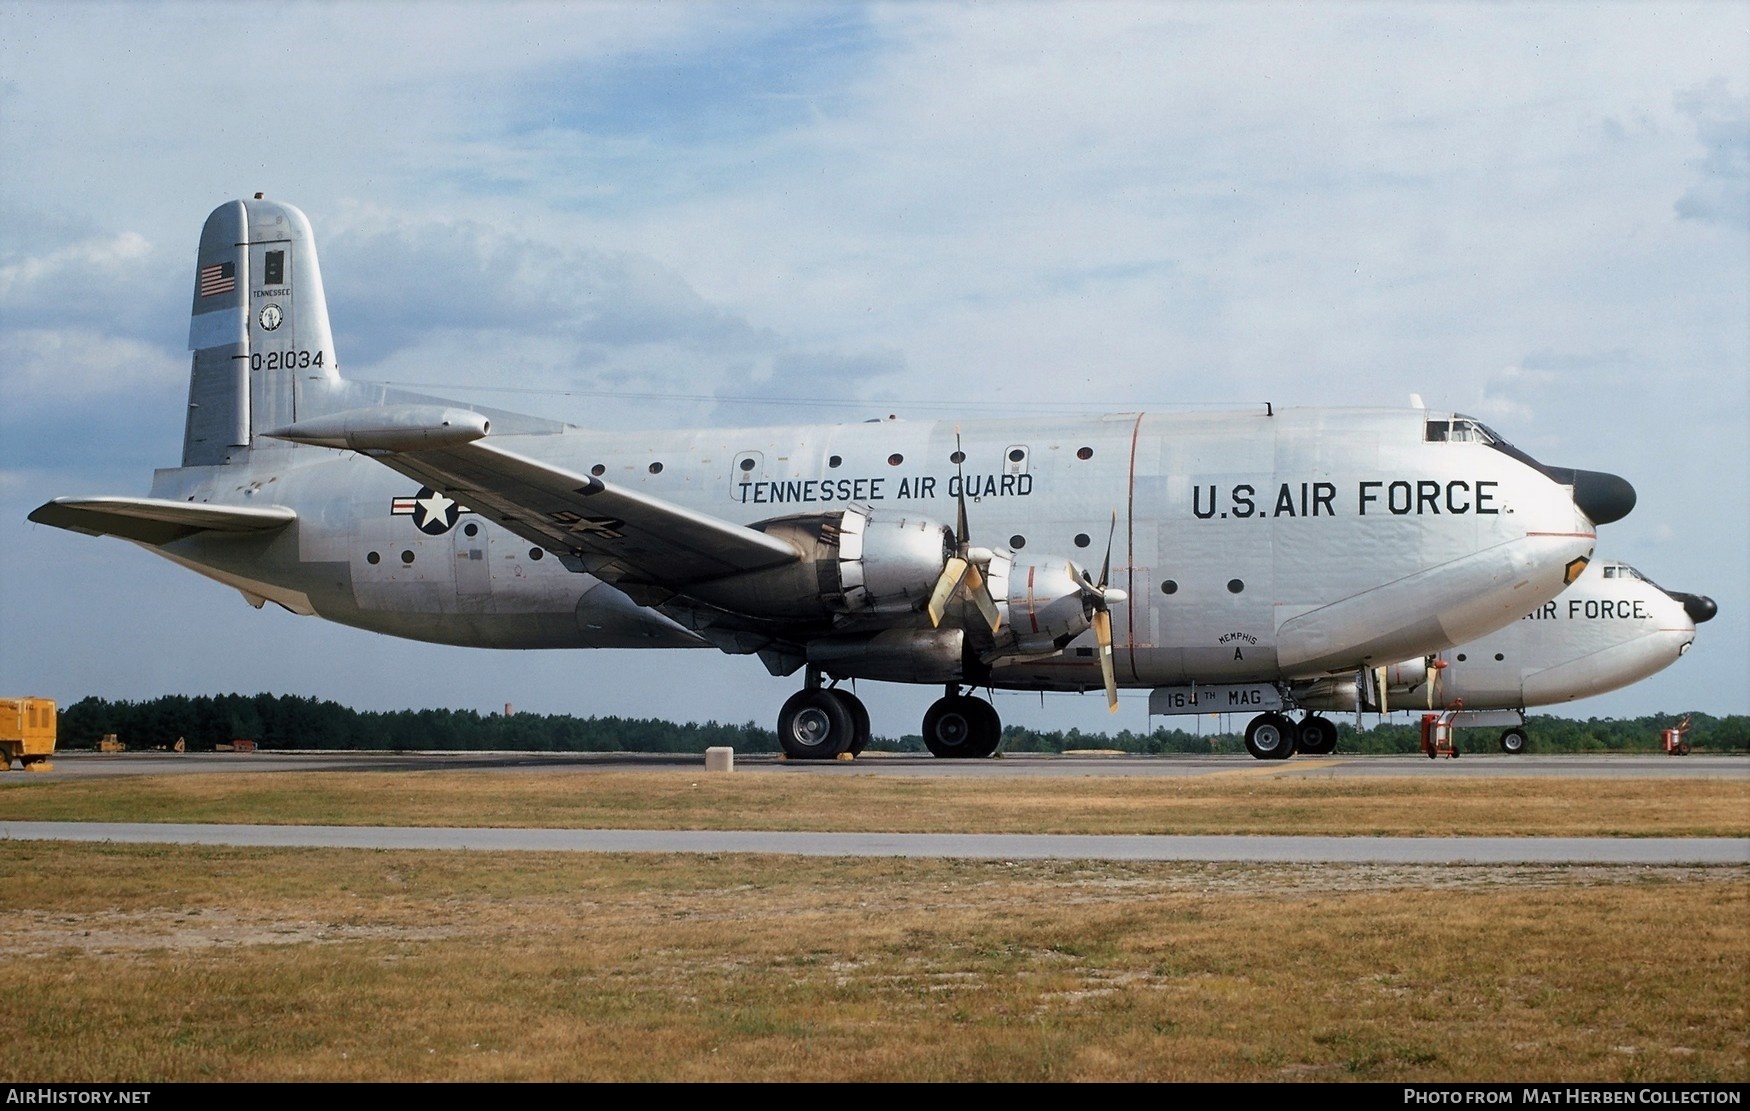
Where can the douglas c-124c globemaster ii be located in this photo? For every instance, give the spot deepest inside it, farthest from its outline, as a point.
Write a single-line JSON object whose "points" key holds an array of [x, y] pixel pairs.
{"points": [[1613, 627], [1133, 550]]}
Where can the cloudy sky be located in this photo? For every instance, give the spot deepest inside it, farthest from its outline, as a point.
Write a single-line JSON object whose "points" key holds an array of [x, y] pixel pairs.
{"points": [[662, 215]]}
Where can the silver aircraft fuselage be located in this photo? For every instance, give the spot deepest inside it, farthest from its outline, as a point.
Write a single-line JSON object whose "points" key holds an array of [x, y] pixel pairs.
{"points": [[1250, 546]]}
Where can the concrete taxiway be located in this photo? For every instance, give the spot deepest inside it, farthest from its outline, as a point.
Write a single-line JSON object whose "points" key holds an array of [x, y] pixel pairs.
{"points": [[970, 846]]}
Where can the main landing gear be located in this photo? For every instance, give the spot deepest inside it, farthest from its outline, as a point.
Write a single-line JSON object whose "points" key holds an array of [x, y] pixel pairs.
{"points": [[823, 723], [1318, 736], [1275, 736], [959, 726], [1272, 736]]}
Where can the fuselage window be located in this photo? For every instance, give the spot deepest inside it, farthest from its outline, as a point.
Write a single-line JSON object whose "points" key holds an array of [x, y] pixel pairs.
{"points": [[1234, 586], [407, 555], [1017, 541], [1169, 587], [656, 468], [373, 558], [1082, 540]]}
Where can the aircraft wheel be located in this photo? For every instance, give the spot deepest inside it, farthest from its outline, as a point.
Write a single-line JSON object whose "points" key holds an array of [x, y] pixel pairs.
{"points": [[859, 720], [961, 727], [989, 728], [815, 725], [1271, 737], [1318, 736], [1513, 741]]}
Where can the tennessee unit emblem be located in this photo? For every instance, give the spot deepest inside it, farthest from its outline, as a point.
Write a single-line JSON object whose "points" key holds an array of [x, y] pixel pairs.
{"points": [[432, 512]]}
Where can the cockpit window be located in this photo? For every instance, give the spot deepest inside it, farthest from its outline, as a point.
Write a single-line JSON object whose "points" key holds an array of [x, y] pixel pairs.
{"points": [[1624, 571], [1460, 429]]}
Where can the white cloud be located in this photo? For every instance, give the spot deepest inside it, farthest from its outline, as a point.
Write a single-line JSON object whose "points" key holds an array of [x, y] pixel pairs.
{"points": [[67, 365]]}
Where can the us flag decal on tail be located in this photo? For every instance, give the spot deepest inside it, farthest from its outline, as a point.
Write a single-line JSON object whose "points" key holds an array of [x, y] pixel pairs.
{"points": [[221, 277]]}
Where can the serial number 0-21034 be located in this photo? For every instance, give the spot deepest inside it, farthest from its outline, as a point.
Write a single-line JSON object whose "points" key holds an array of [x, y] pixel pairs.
{"points": [[284, 360]]}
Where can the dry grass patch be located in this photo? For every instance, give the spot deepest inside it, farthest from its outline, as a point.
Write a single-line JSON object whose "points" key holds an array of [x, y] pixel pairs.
{"points": [[135, 963], [1256, 802]]}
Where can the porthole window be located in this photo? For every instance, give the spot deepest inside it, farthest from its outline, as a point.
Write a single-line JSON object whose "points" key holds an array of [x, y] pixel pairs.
{"points": [[1461, 657], [1169, 587], [1016, 455], [598, 470], [895, 459], [373, 558], [1234, 586], [747, 464], [536, 553], [1499, 657], [1084, 453], [656, 468], [957, 457], [407, 555], [834, 460], [1017, 541], [471, 529], [1082, 540]]}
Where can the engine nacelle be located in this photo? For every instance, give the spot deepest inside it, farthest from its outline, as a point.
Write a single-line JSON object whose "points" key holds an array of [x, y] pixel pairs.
{"points": [[851, 564], [1409, 684], [1048, 606], [894, 655]]}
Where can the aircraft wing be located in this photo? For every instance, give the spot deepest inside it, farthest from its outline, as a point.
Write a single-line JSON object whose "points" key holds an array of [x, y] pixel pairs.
{"points": [[619, 535], [156, 520]]}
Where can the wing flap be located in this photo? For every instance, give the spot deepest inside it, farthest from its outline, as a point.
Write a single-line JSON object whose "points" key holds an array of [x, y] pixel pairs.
{"points": [[157, 520]]}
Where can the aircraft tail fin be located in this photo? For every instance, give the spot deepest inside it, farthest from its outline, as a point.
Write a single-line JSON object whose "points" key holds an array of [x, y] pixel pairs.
{"points": [[258, 329]]}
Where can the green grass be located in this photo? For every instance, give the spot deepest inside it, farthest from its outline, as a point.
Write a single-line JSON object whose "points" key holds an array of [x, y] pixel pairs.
{"points": [[1250, 799]]}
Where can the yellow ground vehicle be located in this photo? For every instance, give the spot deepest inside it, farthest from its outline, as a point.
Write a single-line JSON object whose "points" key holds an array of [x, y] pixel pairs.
{"points": [[27, 731]]}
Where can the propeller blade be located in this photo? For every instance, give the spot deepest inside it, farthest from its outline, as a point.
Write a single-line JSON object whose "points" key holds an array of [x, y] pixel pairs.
{"points": [[961, 530], [1103, 635], [979, 588], [1106, 567], [952, 572]]}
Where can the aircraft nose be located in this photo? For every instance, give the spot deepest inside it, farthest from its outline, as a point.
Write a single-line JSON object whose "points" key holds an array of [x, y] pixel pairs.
{"points": [[1699, 607], [1603, 497]]}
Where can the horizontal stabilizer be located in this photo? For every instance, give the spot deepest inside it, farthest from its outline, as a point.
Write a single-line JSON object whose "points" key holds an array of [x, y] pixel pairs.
{"points": [[157, 520]]}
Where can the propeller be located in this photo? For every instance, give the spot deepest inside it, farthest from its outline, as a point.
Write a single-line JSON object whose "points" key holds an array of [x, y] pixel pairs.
{"points": [[1436, 682], [1101, 596], [963, 572]]}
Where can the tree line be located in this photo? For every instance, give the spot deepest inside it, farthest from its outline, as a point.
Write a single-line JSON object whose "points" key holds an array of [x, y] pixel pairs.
{"points": [[270, 721]]}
